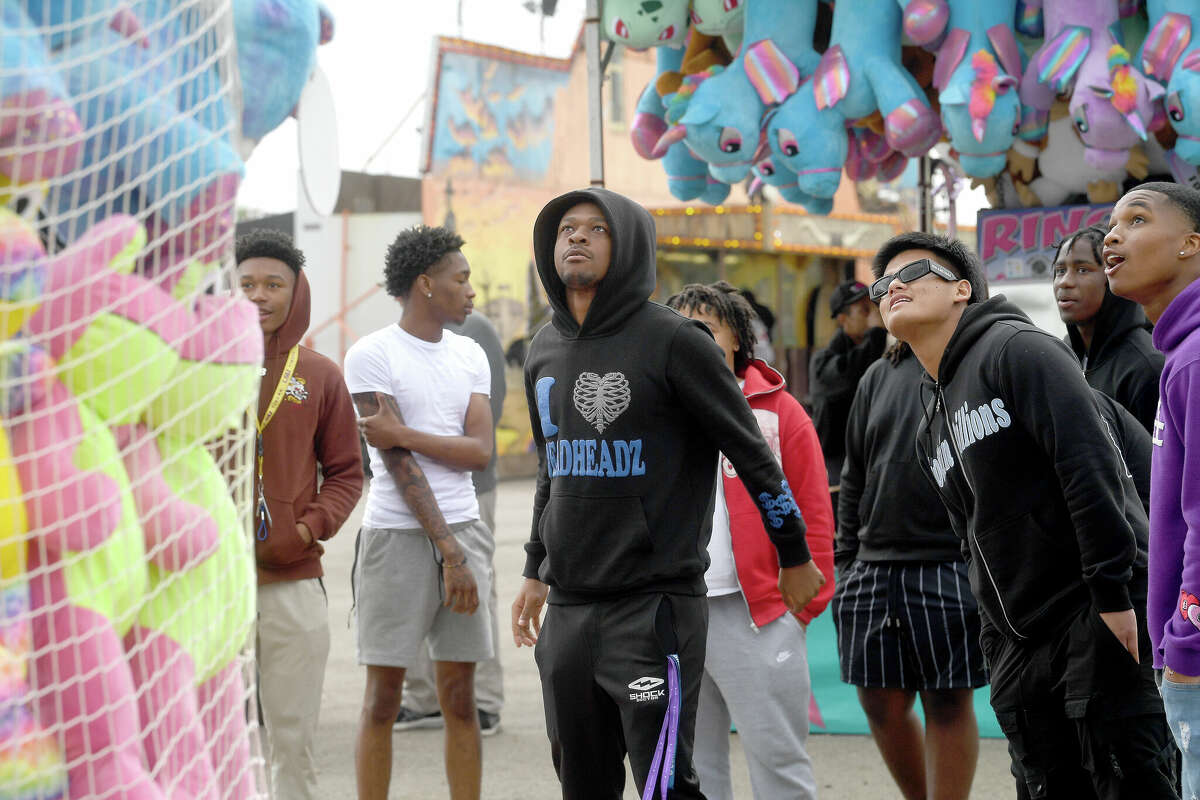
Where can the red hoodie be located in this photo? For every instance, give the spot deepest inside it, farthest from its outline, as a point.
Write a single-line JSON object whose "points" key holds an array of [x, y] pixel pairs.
{"points": [[314, 431], [793, 439]]}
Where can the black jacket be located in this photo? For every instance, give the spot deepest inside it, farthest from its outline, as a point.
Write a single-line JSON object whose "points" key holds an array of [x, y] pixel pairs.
{"points": [[887, 509], [629, 411], [1122, 361], [1031, 476], [833, 375]]}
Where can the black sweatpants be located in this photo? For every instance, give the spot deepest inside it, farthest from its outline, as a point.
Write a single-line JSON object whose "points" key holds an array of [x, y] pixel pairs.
{"points": [[603, 667], [1083, 719]]}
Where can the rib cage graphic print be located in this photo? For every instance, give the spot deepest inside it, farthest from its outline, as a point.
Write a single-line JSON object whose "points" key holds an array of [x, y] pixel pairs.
{"points": [[600, 400]]}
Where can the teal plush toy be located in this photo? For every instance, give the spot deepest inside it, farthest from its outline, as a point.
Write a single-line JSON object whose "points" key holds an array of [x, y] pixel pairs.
{"points": [[1171, 53], [721, 116], [639, 24]]}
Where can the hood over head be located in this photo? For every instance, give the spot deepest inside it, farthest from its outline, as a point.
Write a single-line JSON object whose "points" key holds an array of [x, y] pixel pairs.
{"points": [[1116, 317], [295, 325], [976, 320], [631, 271]]}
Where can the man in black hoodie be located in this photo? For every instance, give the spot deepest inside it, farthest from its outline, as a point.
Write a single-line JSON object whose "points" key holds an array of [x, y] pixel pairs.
{"points": [[1110, 335], [630, 403], [1034, 482]]}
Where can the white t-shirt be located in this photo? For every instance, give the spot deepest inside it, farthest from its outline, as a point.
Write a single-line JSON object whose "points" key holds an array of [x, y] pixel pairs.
{"points": [[432, 383], [722, 571]]}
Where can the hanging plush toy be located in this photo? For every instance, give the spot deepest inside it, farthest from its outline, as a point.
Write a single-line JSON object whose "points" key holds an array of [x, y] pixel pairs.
{"points": [[687, 176], [723, 18], [860, 73], [720, 119], [638, 25], [784, 180], [1111, 103], [1171, 54], [277, 49], [976, 72], [87, 578], [139, 151], [38, 127]]}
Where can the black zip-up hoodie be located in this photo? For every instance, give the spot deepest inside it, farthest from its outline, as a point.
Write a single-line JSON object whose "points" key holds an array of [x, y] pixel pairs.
{"points": [[1031, 476], [887, 509], [1122, 361], [629, 411], [834, 374]]}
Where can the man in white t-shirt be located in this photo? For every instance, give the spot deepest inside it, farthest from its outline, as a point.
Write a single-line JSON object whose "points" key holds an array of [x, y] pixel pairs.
{"points": [[422, 561]]}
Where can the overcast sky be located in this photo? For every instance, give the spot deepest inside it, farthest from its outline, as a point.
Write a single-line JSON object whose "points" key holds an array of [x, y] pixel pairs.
{"points": [[378, 64]]}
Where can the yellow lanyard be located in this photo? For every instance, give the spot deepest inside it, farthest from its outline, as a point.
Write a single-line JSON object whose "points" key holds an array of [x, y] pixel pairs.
{"points": [[285, 378]]}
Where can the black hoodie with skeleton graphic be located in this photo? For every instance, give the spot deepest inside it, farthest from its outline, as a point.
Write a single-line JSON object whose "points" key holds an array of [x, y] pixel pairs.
{"points": [[629, 411]]}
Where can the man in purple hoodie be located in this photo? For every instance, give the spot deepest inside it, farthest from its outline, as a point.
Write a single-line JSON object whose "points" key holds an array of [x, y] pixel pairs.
{"points": [[1152, 256]]}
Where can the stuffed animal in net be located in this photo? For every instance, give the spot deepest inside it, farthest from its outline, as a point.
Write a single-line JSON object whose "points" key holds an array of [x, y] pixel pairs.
{"points": [[38, 127], [638, 24], [720, 118], [1171, 54], [859, 74], [86, 576]]}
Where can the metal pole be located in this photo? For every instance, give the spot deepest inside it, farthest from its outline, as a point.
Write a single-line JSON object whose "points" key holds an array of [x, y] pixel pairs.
{"points": [[924, 201], [595, 78]]}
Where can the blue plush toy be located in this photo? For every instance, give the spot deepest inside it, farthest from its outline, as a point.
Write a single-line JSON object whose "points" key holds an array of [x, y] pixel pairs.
{"points": [[720, 120], [860, 73], [38, 126], [139, 153], [784, 180], [977, 70], [1171, 54], [687, 176], [68, 21], [277, 49]]}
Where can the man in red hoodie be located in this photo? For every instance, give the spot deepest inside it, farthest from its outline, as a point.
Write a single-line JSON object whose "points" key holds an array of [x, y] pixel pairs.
{"points": [[306, 423], [756, 667]]}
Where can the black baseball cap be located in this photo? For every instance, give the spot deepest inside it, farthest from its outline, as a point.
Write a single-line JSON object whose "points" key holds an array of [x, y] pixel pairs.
{"points": [[846, 294]]}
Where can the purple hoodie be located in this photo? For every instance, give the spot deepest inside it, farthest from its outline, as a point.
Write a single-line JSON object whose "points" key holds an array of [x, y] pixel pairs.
{"points": [[1173, 611]]}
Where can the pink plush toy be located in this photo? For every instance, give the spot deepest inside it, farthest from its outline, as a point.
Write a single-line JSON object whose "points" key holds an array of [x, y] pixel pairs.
{"points": [[87, 579]]}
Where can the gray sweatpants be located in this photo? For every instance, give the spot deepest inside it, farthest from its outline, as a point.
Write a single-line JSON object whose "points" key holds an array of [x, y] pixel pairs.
{"points": [[420, 690], [759, 680]]}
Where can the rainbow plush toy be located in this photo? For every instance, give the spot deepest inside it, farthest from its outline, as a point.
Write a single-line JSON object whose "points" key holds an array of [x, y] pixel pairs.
{"points": [[1111, 102], [720, 118], [977, 70], [1171, 53], [860, 73], [639, 25]]}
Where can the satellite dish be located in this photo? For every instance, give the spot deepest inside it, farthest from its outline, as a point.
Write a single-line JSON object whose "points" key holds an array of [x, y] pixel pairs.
{"points": [[320, 171]]}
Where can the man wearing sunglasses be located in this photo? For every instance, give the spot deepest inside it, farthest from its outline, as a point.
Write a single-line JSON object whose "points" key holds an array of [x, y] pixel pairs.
{"points": [[1052, 526]]}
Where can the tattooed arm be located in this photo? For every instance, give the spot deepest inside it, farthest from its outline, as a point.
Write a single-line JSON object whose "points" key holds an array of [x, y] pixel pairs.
{"points": [[461, 593]]}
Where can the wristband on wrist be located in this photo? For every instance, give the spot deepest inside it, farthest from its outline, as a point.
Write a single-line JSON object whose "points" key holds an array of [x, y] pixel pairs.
{"points": [[461, 563]]}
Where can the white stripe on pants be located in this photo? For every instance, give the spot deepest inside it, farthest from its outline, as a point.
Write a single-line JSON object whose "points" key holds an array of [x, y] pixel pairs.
{"points": [[293, 646], [420, 691], [759, 679]]}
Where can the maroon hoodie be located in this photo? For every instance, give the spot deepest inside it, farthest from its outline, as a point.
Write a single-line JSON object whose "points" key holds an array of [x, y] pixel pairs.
{"points": [[313, 430]]}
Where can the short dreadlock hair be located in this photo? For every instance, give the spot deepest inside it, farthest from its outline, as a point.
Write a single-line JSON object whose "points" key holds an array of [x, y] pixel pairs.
{"points": [[413, 253], [727, 304], [269, 243], [1093, 235]]}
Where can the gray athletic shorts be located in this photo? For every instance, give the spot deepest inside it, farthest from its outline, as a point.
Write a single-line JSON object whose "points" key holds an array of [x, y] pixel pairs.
{"points": [[399, 592]]}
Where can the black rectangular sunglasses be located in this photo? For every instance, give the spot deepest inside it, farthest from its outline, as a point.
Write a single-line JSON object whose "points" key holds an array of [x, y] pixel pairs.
{"points": [[909, 273]]}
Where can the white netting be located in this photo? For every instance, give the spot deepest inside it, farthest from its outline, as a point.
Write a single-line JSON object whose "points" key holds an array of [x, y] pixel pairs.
{"points": [[126, 368]]}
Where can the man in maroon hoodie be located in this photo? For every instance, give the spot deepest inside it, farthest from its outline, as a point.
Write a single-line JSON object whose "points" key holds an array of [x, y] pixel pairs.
{"points": [[306, 423]]}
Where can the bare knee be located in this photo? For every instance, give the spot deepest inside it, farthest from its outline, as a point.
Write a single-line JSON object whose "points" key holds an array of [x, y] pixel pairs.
{"points": [[456, 690], [884, 707], [947, 706], [381, 700]]}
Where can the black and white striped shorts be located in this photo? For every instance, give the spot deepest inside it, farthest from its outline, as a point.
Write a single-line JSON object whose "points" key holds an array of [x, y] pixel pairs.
{"points": [[904, 625]]}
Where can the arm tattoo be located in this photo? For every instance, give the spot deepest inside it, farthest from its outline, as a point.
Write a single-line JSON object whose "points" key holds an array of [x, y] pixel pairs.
{"points": [[407, 473]]}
